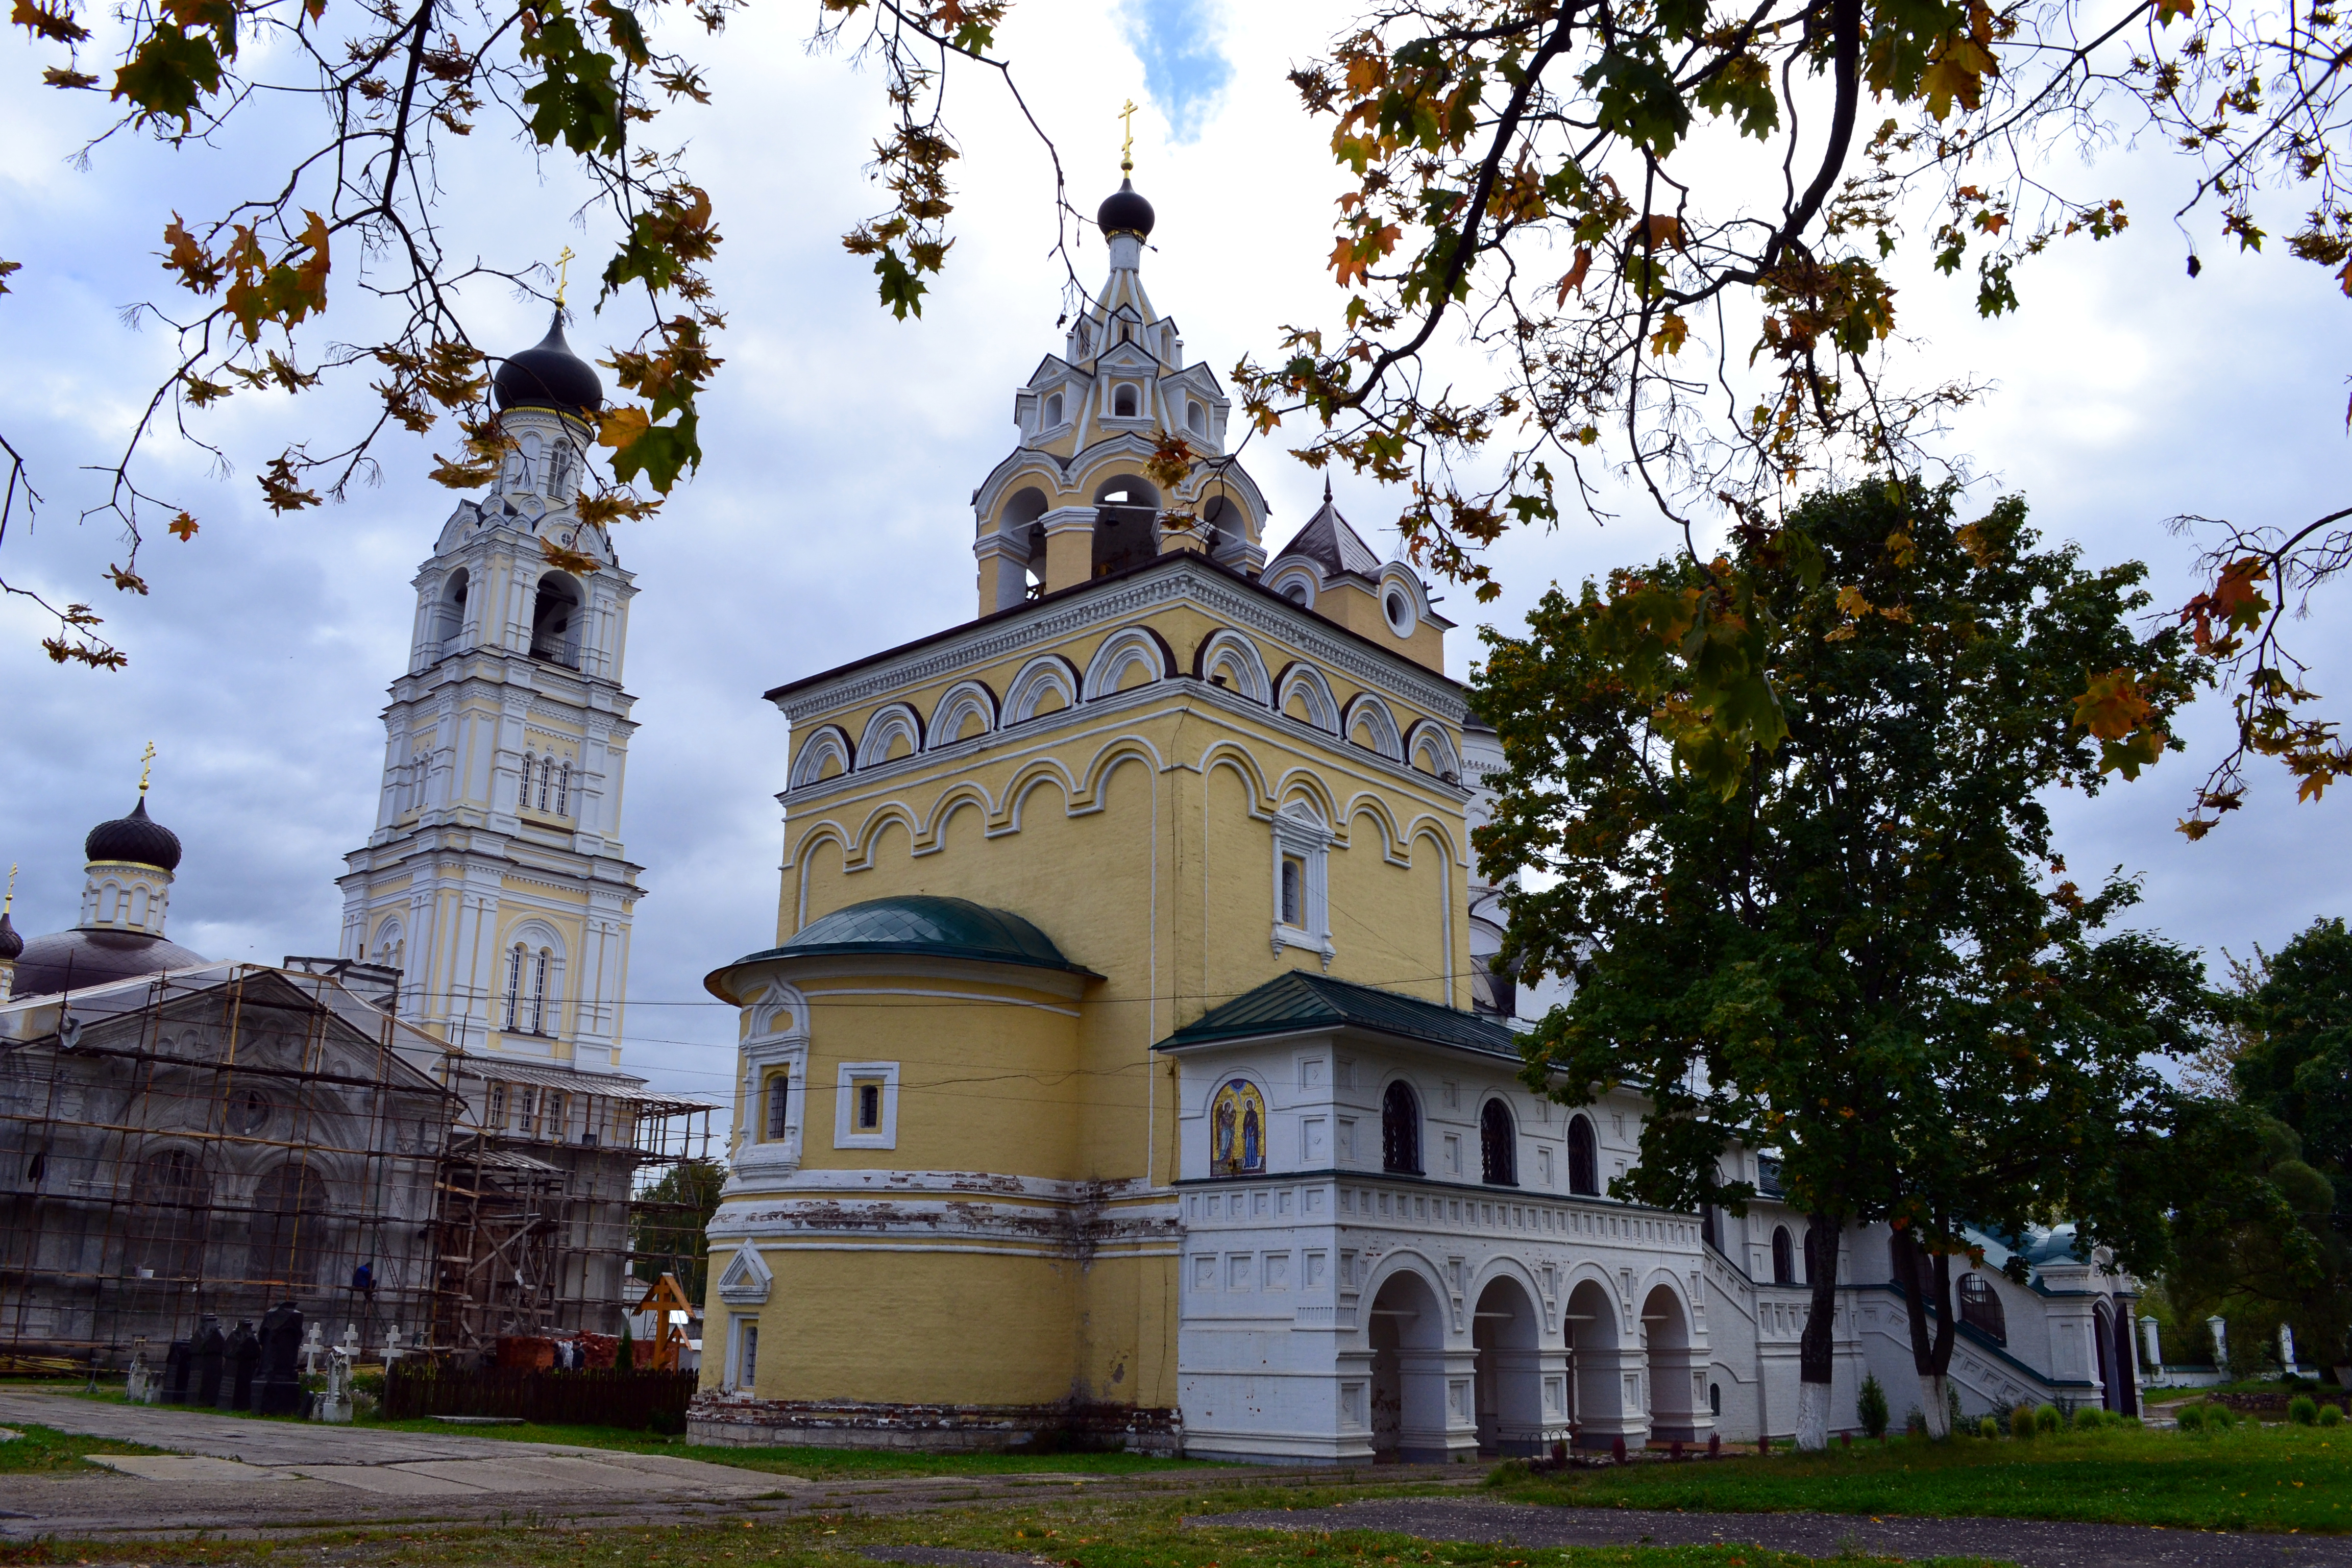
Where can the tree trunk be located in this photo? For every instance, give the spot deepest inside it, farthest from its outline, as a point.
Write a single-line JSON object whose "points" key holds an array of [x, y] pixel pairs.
{"points": [[1931, 1354], [1816, 1358]]}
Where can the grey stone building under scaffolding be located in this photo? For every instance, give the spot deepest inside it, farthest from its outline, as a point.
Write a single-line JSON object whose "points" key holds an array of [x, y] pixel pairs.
{"points": [[216, 1138]]}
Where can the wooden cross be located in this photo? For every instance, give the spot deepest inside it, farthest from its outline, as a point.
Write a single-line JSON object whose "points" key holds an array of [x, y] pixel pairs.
{"points": [[564, 273], [146, 762], [1127, 153]]}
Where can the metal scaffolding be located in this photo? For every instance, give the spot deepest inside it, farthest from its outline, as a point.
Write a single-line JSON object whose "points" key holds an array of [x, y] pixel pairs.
{"points": [[214, 1141]]}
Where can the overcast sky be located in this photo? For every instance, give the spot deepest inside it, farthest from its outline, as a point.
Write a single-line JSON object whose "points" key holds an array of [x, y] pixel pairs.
{"points": [[832, 517]]}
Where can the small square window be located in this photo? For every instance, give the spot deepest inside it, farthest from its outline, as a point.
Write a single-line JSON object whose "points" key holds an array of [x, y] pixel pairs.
{"points": [[866, 1106]]}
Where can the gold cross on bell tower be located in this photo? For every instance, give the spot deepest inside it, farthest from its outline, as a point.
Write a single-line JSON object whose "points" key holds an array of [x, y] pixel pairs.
{"points": [[1127, 152], [146, 762], [564, 261]]}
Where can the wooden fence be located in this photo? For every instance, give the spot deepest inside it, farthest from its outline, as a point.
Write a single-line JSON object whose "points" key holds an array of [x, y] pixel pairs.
{"points": [[600, 1397]]}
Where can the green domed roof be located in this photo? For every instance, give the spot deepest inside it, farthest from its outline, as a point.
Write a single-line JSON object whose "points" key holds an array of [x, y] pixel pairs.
{"points": [[934, 926]]}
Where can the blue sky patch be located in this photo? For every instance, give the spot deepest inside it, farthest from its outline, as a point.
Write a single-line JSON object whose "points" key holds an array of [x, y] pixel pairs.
{"points": [[1183, 69]]}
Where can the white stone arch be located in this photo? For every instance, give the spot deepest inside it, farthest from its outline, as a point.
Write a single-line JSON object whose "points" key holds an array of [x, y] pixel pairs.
{"points": [[963, 700], [1428, 742], [1407, 1260], [1368, 714], [1307, 683], [1229, 653], [1046, 675], [895, 722], [1133, 648], [827, 742], [1297, 583]]}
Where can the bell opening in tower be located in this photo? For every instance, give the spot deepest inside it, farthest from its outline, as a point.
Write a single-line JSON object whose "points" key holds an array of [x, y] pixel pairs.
{"points": [[1127, 509], [555, 621]]}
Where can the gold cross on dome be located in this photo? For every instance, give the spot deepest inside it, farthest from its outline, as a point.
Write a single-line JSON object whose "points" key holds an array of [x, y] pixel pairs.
{"points": [[1127, 152], [11, 899], [146, 762], [564, 273]]}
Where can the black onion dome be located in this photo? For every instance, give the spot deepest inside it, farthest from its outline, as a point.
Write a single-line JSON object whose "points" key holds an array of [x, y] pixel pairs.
{"points": [[550, 376], [1125, 211], [137, 838], [11, 944]]}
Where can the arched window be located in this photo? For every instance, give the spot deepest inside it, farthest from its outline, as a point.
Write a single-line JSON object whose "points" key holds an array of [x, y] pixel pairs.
{"points": [[172, 1194], [514, 987], [546, 780], [1784, 1256], [287, 1235], [1400, 1130], [1053, 411], [522, 801], [1981, 1308], [1122, 403], [558, 473], [449, 614], [1584, 1159], [1498, 1141], [563, 791], [526, 464], [1237, 1130], [539, 994], [554, 621], [1196, 419]]}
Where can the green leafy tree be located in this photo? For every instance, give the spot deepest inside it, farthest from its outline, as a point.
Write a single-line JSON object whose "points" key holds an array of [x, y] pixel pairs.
{"points": [[1856, 948], [2296, 1009], [2270, 1241], [669, 1222]]}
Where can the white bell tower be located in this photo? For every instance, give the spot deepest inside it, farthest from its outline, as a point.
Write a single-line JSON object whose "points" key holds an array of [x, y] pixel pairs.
{"points": [[495, 880]]}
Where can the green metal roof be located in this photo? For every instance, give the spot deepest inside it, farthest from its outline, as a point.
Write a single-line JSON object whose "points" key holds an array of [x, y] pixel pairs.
{"points": [[921, 924], [1302, 1001]]}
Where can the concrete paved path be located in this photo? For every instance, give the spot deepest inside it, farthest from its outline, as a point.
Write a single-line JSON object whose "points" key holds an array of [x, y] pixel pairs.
{"points": [[2030, 1544], [224, 1473]]}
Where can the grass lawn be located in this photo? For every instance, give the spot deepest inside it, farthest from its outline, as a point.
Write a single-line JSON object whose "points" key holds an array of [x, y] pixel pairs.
{"points": [[2270, 1478], [41, 1451], [1068, 1530]]}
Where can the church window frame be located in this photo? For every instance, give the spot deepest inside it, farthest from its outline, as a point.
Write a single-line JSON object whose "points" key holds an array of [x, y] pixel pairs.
{"points": [[1498, 1144], [1401, 1128], [538, 991], [1304, 921], [775, 1051], [1784, 1256], [529, 766], [1237, 1128], [1053, 416], [514, 985], [777, 1099], [1126, 401], [564, 790], [1980, 1307], [1583, 1158], [854, 1080], [1196, 417]]}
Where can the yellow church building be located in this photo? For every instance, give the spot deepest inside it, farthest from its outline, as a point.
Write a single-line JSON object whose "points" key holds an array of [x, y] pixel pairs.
{"points": [[1128, 1064]]}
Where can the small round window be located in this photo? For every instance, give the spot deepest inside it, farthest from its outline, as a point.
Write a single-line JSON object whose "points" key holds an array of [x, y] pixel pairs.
{"points": [[252, 1111], [1399, 609]]}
